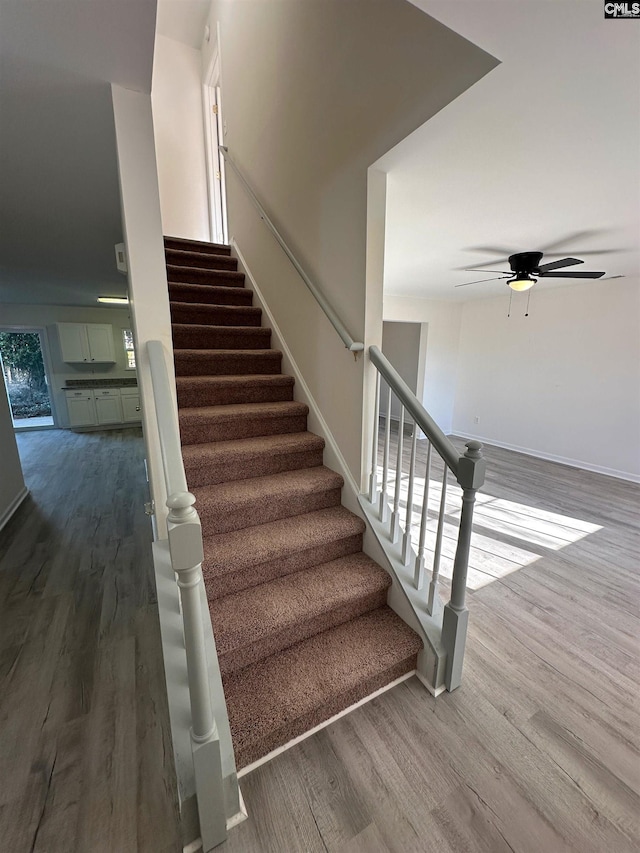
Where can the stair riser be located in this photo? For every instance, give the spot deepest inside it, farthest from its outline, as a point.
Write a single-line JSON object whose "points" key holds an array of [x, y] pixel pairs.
{"points": [[222, 519], [220, 338], [199, 431], [196, 246], [193, 275], [234, 581], [221, 395], [227, 364], [202, 260], [237, 659], [215, 315], [221, 472], [240, 296]]}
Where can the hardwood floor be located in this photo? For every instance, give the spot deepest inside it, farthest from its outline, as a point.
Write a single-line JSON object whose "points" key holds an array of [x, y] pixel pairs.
{"points": [[85, 751], [537, 751], [539, 748]]}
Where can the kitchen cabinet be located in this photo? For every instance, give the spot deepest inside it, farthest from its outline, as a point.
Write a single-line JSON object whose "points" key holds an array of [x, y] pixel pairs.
{"points": [[81, 408], [130, 398], [86, 342], [102, 406], [108, 405]]}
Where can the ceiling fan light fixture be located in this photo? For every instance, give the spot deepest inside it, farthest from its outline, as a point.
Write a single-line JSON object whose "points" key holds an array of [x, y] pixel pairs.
{"points": [[521, 282]]}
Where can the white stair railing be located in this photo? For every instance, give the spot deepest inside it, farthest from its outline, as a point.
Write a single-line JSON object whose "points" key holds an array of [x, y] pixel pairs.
{"points": [[186, 549], [468, 470]]}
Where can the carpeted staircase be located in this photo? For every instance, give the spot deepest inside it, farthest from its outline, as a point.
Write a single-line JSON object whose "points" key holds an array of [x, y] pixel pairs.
{"points": [[298, 610]]}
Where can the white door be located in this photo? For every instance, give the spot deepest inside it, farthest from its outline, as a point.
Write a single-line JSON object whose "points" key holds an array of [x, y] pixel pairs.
{"points": [[214, 136]]}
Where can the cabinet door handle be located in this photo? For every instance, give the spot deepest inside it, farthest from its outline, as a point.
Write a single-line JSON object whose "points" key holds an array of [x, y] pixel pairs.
{"points": [[137, 408]]}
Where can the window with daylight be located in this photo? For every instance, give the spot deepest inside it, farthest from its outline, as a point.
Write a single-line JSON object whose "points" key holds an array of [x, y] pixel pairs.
{"points": [[127, 337]]}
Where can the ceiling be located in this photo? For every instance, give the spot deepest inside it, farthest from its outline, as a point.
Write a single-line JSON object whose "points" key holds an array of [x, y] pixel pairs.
{"points": [[544, 151], [60, 213], [183, 20]]}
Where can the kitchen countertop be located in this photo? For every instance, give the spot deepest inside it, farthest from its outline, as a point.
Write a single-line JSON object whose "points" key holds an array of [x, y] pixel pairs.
{"points": [[74, 384]]}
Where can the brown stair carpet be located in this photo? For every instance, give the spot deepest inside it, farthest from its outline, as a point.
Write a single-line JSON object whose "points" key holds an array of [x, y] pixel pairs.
{"points": [[298, 610]]}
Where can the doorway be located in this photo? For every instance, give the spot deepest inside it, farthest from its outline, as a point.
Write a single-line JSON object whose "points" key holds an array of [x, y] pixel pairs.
{"points": [[214, 136], [24, 372]]}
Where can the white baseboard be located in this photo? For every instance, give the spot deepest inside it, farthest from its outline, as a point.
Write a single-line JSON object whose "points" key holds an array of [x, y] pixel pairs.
{"points": [[13, 506], [251, 767], [550, 457]]}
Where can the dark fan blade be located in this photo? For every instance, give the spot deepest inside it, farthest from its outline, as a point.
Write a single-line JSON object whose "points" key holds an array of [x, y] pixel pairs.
{"points": [[555, 265], [572, 238], [504, 272], [574, 275], [491, 250], [482, 280]]}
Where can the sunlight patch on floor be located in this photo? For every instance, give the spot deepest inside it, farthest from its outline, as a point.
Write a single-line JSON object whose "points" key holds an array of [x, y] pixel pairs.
{"points": [[491, 557]]}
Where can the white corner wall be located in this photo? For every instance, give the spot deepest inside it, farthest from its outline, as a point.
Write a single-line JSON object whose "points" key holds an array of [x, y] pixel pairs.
{"points": [[12, 487], [563, 383], [313, 93], [176, 98], [440, 355]]}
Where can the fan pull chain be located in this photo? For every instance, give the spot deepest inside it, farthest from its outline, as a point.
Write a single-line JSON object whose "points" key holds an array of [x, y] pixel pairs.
{"points": [[528, 301], [510, 298]]}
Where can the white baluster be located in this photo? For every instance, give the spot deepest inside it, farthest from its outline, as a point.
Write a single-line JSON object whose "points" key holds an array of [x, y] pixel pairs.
{"points": [[408, 525], [384, 507], [418, 577], [435, 571], [394, 532], [373, 478]]}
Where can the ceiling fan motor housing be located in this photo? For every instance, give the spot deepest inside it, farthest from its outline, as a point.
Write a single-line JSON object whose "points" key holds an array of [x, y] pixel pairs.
{"points": [[525, 263]]}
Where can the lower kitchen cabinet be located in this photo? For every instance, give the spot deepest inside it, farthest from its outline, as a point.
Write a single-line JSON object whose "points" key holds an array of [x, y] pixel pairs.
{"points": [[103, 406]]}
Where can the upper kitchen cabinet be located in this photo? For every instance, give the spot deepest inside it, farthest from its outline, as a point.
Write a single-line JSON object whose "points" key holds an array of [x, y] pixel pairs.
{"points": [[86, 342]]}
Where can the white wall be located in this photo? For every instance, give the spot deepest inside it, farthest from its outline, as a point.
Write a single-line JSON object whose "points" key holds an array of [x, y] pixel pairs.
{"points": [[563, 383], [148, 290], [440, 364], [12, 488], [176, 99], [401, 345], [313, 94], [46, 316]]}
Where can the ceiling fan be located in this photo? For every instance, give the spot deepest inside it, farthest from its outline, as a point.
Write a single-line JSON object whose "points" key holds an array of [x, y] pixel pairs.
{"points": [[526, 265]]}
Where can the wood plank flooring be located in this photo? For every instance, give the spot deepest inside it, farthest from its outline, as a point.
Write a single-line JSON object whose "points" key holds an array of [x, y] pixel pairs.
{"points": [[85, 749], [539, 750]]}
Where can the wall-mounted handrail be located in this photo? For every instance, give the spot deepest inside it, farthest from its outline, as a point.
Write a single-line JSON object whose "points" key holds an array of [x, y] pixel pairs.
{"points": [[418, 412], [336, 322], [175, 478]]}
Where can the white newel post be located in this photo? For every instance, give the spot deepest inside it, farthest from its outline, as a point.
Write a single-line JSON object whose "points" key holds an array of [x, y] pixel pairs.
{"points": [[185, 544]]}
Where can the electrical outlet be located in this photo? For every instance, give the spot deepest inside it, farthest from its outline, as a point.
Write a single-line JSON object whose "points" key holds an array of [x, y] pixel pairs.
{"points": [[476, 420]]}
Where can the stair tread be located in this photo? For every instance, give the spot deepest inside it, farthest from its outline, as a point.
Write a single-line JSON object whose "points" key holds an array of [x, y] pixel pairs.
{"points": [[213, 291], [203, 272], [191, 254], [249, 331], [202, 245], [246, 450], [254, 614], [276, 699], [233, 411], [240, 549], [239, 311], [239, 379], [232, 496]]}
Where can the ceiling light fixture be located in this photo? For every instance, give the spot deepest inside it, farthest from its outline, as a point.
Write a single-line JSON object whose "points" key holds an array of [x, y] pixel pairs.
{"points": [[114, 300], [522, 281]]}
